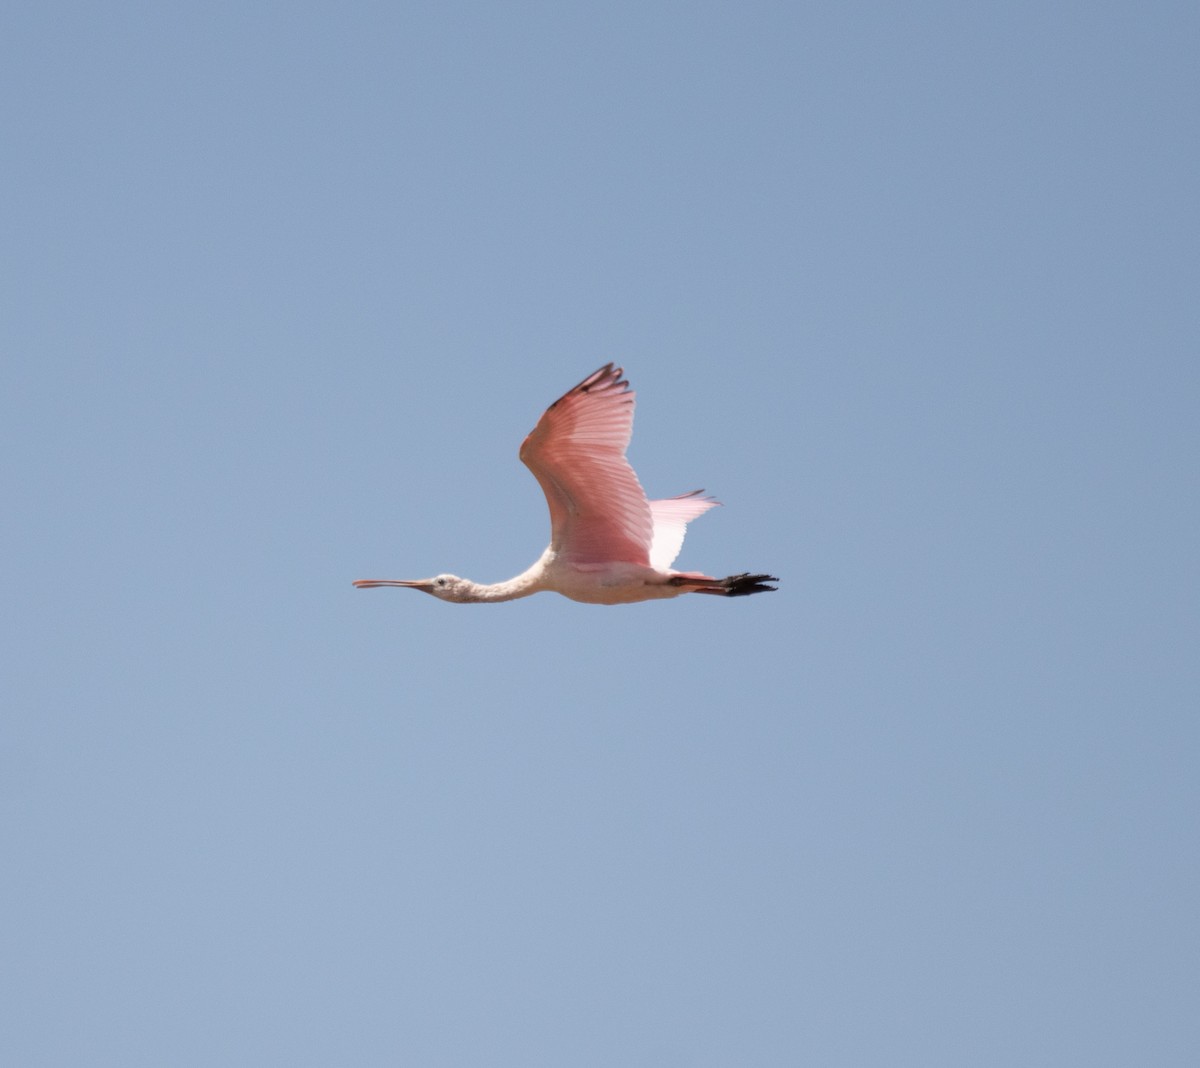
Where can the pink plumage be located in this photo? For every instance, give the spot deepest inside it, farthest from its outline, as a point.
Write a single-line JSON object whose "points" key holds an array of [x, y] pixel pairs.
{"points": [[598, 511]]}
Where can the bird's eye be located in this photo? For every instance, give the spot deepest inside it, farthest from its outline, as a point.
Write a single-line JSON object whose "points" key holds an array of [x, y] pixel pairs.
{"points": [[441, 582]]}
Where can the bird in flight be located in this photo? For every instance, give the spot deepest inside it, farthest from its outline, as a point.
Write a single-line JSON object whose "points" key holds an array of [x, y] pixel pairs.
{"points": [[608, 543]]}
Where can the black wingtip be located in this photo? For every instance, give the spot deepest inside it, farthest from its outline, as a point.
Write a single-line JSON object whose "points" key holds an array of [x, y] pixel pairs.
{"points": [[607, 377]]}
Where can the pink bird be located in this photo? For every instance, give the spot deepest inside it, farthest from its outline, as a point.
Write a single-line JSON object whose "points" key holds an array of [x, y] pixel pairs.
{"points": [[608, 543]]}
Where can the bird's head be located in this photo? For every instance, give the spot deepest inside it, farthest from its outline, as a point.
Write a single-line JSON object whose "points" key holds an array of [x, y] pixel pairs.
{"points": [[443, 587]]}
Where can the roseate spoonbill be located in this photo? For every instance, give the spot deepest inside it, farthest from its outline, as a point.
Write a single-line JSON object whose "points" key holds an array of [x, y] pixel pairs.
{"points": [[608, 543]]}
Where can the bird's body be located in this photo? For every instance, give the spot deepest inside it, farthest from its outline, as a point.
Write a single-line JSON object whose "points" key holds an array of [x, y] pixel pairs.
{"points": [[608, 543]]}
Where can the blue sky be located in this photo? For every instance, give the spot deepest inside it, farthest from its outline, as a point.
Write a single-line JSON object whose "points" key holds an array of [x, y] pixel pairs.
{"points": [[911, 288]]}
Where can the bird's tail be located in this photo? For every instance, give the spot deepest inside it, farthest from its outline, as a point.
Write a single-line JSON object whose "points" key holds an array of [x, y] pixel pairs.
{"points": [[734, 586]]}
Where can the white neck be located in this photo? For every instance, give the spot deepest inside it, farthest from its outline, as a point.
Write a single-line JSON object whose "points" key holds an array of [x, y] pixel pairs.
{"points": [[521, 586]]}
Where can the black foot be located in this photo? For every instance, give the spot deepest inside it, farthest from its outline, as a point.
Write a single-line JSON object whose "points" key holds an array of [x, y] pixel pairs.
{"points": [[743, 585], [737, 585]]}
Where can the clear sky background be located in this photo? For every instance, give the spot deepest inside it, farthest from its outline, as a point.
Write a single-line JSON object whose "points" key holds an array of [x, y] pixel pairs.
{"points": [[912, 288]]}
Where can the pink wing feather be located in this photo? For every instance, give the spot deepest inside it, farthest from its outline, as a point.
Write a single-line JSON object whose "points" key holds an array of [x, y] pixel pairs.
{"points": [[671, 518], [598, 510]]}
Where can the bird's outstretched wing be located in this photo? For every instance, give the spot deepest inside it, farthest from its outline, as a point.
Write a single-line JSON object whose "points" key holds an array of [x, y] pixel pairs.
{"points": [[598, 510], [671, 518]]}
